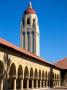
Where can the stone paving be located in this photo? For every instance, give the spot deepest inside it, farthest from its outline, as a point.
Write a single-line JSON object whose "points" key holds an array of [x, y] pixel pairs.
{"points": [[55, 89]]}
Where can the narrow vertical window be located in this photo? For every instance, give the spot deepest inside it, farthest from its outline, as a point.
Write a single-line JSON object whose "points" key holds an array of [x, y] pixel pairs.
{"points": [[33, 41], [33, 22], [28, 36], [23, 39], [28, 21]]}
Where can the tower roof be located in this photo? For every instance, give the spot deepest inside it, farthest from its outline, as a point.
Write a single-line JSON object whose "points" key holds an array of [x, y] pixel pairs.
{"points": [[29, 10]]}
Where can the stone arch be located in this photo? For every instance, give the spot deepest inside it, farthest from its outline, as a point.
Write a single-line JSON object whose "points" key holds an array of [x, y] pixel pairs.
{"points": [[12, 76], [26, 72], [46, 79], [39, 74], [31, 77], [20, 76], [1, 74], [1, 69], [46, 75], [50, 81], [20, 72], [26, 77], [43, 74], [65, 79], [12, 72], [55, 76], [42, 78], [55, 79], [36, 73], [36, 78], [39, 81], [31, 72]]}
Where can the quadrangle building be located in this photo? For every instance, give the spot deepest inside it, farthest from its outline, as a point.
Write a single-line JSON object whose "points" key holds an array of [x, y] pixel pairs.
{"points": [[23, 68]]}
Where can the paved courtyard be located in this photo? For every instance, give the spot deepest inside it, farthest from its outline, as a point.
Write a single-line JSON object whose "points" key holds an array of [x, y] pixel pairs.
{"points": [[50, 89], [55, 89]]}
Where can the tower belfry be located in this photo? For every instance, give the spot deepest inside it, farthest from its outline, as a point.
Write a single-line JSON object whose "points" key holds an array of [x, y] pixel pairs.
{"points": [[30, 31]]}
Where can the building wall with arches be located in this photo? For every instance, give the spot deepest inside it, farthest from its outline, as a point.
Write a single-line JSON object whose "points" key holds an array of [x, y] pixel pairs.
{"points": [[21, 71]]}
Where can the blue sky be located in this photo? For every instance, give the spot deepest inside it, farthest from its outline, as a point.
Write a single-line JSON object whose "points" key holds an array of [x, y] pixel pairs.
{"points": [[52, 15]]}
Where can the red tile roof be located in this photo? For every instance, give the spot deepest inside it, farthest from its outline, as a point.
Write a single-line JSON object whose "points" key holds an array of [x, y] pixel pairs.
{"points": [[29, 11], [62, 64], [23, 51]]}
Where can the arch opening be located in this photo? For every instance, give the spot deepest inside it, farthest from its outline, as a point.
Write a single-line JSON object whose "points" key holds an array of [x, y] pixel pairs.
{"points": [[12, 76], [31, 78], [26, 77], [20, 76]]}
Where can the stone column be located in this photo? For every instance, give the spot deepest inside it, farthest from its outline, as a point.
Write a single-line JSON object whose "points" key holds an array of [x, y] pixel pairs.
{"points": [[14, 88], [36, 83], [43, 83], [59, 83], [21, 84], [46, 83], [1, 84], [27, 83], [40, 84]]}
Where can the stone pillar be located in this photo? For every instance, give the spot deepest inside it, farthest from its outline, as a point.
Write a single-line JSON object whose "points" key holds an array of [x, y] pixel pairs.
{"points": [[36, 83], [40, 84], [27, 83], [43, 83], [46, 83], [1, 84], [32, 83], [21, 84], [59, 83], [14, 88]]}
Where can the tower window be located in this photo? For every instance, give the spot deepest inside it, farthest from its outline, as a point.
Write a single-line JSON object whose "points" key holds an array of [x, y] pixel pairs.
{"points": [[23, 21], [28, 21], [23, 39], [28, 37], [32, 41], [33, 22]]}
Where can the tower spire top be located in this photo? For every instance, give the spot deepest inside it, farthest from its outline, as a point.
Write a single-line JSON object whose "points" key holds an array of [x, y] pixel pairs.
{"points": [[30, 5]]}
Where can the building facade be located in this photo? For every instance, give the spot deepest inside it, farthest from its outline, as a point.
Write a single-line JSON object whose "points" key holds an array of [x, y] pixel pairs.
{"points": [[24, 69], [20, 69]]}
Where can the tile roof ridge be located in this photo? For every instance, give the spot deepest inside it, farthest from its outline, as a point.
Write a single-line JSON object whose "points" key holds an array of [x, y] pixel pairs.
{"points": [[22, 50], [10, 44], [65, 58]]}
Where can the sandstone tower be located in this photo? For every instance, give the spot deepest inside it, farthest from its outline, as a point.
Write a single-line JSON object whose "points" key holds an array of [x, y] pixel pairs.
{"points": [[29, 34]]}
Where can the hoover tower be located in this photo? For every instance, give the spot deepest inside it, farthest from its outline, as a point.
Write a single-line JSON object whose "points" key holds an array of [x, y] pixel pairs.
{"points": [[29, 34]]}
